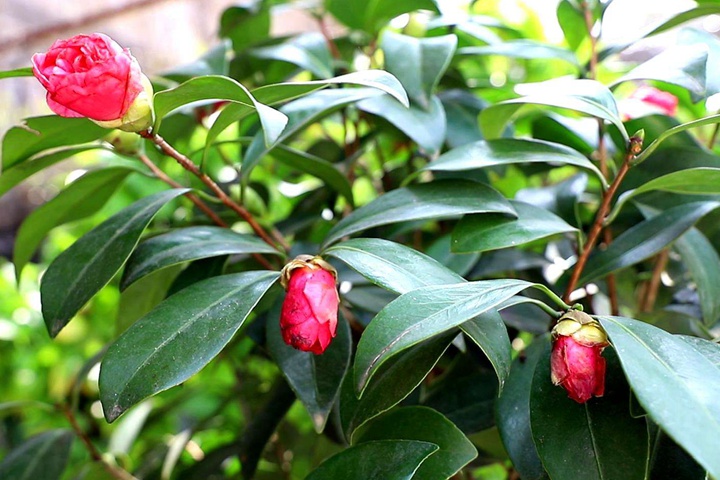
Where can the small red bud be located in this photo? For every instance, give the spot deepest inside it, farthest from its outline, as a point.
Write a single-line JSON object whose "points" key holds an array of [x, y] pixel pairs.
{"points": [[576, 361], [308, 319]]}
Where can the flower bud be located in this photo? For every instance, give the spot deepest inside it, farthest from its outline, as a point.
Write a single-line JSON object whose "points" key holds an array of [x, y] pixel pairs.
{"points": [[576, 362], [92, 76], [308, 319]]}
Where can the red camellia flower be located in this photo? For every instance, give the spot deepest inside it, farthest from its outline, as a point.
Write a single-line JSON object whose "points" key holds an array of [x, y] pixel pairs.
{"points": [[665, 101], [576, 362], [308, 319], [92, 76]]}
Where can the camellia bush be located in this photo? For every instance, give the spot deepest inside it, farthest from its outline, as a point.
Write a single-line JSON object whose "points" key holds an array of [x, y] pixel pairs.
{"points": [[432, 245]]}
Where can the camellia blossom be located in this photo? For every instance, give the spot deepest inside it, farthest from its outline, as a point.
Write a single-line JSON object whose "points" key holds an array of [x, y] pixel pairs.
{"points": [[576, 361], [92, 76], [308, 319], [647, 100]]}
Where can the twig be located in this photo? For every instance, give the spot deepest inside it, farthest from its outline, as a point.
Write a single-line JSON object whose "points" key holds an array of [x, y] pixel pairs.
{"points": [[633, 149], [188, 165], [650, 294]]}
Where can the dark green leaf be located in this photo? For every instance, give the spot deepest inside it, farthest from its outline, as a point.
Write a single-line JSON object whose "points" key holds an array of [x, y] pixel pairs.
{"points": [[461, 111], [480, 233], [88, 265], [42, 133], [703, 263], [360, 15], [187, 244], [82, 198], [506, 151], [645, 239], [43, 457], [177, 338], [391, 265], [513, 413], [461, 264], [584, 96], [561, 198], [440, 199], [315, 379], [394, 381], [527, 49], [423, 313], [581, 440], [674, 131], [425, 126], [424, 424], [489, 333], [142, 296], [308, 51], [245, 25], [711, 350], [687, 409], [217, 87]]}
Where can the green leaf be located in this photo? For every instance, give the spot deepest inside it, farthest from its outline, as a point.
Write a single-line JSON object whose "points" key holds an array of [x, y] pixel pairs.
{"points": [[42, 133], [394, 381], [177, 338], [527, 49], [582, 440], [584, 96], [43, 457], [82, 198], [424, 424], [461, 264], [308, 51], [315, 379], [87, 266], [418, 63], [386, 459], [645, 239], [507, 151], [489, 333], [188, 244], [18, 72], [687, 409], [439, 199], [691, 181], [513, 412], [317, 167], [572, 23], [673, 131], [371, 17], [480, 233], [217, 87], [711, 350], [461, 112], [423, 313], [142, 296], [703, 263], [214, 62], [427, 127], [391, 265], [245, 25]]}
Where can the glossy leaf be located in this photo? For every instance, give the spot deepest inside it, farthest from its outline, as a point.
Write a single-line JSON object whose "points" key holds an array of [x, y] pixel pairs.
{"points": [[440, 199], [43, 457], [360, 15], [711, 350], [188, 244], [144, 295], [709, 120], [572, 23], [513, 412], [43, 133], [308, 51], [461, 112], [703, 263], [687, 409], [581, 440], [427, 127], [461, 264], [489, 333], [424, 424], [177, 338], [82, 270], [418, 62], [386, 459], [423, 313], [217, 87], [315, 379], [507, 151], [394, 381], [526, 49], [391, 265], [82, 198], [480, 233], [584, 96], [645, 239]]}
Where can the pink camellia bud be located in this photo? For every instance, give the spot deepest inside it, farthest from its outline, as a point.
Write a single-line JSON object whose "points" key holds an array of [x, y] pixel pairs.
{"points": [[308, 319], [576, 362], [648, 100], [92, 76]]}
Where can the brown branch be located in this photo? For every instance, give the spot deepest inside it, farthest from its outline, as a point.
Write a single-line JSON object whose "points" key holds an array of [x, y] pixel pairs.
{"points": [[634, 147], [242, 212], [651, 291]]}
